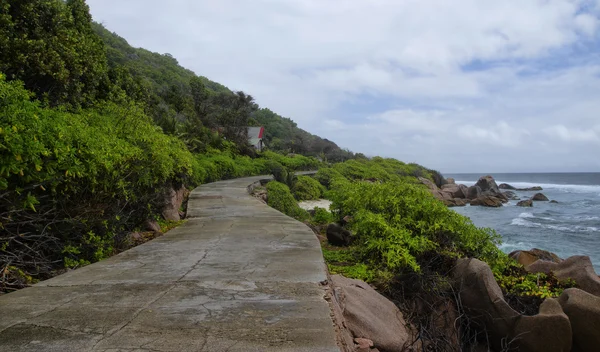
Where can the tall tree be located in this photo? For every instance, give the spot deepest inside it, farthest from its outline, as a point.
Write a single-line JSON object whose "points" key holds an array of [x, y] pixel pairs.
{"points": [[51, 47]]}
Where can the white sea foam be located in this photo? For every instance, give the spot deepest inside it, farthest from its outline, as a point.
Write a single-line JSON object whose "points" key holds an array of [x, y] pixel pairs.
{"points": [[509, 246], [526, 215], [547, 186], [523, 222]]}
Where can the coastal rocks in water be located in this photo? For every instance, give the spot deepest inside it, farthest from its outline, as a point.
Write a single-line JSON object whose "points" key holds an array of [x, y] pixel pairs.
{"points": [[511, 195], [553, 202], [369, 315], [450, 181], [473, 192], [527, 258], [487, 201], [506, 186], [456, 202], [525, 203], [578, 268], [429, 184], [487, 184], [530, 189], [484, 304], [583, 310], [540, 197], [338, 236], [456, 191]]}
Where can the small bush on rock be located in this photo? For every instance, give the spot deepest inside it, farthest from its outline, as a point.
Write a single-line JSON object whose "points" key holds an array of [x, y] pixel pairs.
{"points": [[307, 188], [280, 198]]}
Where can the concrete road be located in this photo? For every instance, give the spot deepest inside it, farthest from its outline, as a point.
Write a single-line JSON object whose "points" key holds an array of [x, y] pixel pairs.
{"points": [[238, 276]]}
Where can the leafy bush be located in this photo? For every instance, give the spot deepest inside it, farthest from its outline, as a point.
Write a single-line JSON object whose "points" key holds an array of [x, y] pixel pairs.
{"points": [[321, 217], [294, 162], [397, 222], [73, 183], [326, 174], [307, 188], [281, 198]]}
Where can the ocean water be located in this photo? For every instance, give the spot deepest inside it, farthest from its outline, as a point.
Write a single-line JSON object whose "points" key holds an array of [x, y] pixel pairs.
{"points": [[571, 227]]}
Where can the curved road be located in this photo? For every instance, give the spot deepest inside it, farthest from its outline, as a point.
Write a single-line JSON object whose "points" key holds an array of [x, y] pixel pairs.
{"points": [[238, 276]]}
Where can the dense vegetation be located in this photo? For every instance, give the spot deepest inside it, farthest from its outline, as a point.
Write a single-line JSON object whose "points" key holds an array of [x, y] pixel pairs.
{"points": [[190, 106], [95, 133]]}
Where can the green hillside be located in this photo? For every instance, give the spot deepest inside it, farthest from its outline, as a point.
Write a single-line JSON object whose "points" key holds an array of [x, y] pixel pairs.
{"points": [[168, 90]]}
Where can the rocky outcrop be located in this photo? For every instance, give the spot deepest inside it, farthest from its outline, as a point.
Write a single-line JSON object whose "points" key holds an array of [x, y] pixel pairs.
{"points": [[487, 201], [151, 225], [487, 184], [172, 202], [473, 192], [429, 184], [530, 189], [456, 202], [456, 191], [540, 197], [578, 268], [583, 310], [338, 236], [369, 316], [484, 304], [553, 202], [513, 188], [525, 203], [484, 193], [450, 181], [506, 186], [511, 195], [527, 258]]}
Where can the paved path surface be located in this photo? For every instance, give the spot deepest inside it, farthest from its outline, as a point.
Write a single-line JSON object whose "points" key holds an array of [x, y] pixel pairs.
{"points": [[238, 276]]}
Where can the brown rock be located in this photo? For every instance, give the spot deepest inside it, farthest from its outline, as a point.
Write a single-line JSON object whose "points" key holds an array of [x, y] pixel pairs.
{"points": [[583, 310], [536, 188], [473, 192], [525, 203], [484, 304], [511, 195], [151, 225], [369, 315], [487, 201], [506, 186], [527, 258], [173, 200], [455, 190], [487, 184], [428, 183], [338, 236], [540, 197], [450, 180], [363, 343], [578, 268], [550, 330]]}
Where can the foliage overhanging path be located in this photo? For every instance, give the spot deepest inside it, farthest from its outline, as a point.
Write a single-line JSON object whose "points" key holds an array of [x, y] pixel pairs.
{"points": [[238, 276]]}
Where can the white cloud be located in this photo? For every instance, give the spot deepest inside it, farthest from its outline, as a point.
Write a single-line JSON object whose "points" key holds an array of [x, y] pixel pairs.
{"points": [[527, 92], [572, 134]]}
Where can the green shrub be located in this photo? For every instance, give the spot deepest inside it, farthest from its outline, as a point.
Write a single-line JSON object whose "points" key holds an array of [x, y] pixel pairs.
{"points": [[281, 198], [293, 162], [321, 217], [397, 222], [307, 188], [72, 184], [326, 174]]}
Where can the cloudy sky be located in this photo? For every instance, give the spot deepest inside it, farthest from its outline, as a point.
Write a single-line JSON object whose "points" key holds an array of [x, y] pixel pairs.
{"points": [[460, 86]]}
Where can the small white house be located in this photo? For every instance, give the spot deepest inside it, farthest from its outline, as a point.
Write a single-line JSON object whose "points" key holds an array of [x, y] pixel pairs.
{"points": [[255, 137]]}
